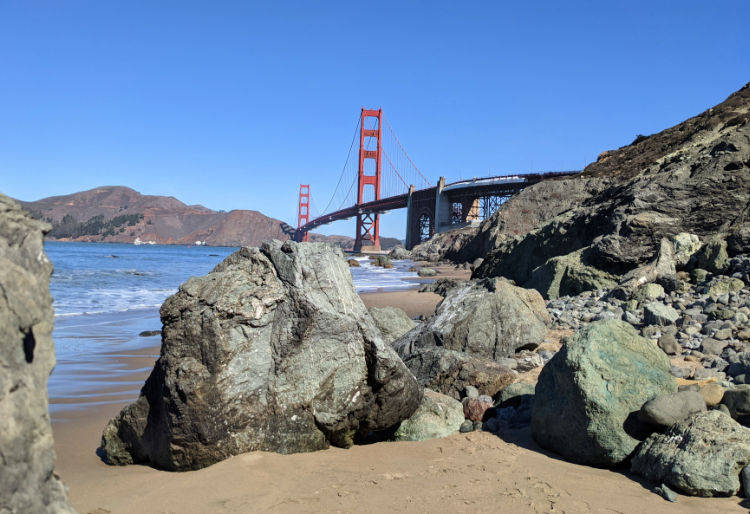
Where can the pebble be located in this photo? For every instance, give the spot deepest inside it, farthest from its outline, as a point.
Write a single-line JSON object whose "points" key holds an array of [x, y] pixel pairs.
{"points": [[466, 426], [666, 493], [688, 320]]}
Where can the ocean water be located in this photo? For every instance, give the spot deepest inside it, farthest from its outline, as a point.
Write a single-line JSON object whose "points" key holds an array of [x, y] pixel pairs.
{"points": [[105, 295], [91, 278]]}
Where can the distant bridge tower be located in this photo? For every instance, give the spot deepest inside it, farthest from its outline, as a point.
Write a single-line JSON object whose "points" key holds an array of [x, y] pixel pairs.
{"points": [[368, 223], [303, 212]]}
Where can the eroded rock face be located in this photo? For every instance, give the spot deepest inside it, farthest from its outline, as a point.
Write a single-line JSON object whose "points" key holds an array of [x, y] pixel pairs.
{"points": [[693, 178], [474, 328], [27, 356], [701, 456], [587, 396], [392, 322], [488, 319], [273, 350]]}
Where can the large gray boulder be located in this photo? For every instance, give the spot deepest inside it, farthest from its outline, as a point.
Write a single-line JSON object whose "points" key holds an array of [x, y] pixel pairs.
{"points": [[27, 356], [391, 321], [701, 456], [437, 416], [588, 394], [475, 328], [450, 372], [273, 350], [490, 319]]}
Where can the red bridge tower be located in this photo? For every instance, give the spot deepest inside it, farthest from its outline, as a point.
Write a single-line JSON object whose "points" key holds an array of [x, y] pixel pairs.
{"points": [[368, 223], [303, 211]]}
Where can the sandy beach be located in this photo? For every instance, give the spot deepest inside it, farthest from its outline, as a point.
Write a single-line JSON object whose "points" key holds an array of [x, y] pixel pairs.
{"points": [[475, 472]]}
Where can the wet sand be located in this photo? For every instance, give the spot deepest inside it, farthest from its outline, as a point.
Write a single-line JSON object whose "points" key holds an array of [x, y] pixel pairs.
{"points": [[476, 472]]}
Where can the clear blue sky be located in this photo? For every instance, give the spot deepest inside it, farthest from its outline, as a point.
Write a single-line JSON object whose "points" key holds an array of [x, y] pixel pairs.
{"points": [[233, 104]]}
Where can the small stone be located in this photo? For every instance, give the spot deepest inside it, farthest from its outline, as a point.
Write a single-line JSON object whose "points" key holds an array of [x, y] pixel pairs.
{"points": [[668, 409], [724, 285], [679, 372], [685, 245], [656, 313], [669, 344], [426, 272], [666, 493], [471, 392], [737, 401], [648, 292], [513, 394], [702, 373], [712, 394], [745, 477], [723, 334], [712, 346], [466, 426], [474, 408], [699, 275], [150, 333]]}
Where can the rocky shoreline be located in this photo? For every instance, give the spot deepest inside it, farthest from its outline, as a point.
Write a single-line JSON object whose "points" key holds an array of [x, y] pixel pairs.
{"points": [[611, 327]]}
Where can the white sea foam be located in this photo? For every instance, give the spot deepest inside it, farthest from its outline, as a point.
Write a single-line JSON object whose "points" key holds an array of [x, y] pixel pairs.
{"points": [[369, 278]]}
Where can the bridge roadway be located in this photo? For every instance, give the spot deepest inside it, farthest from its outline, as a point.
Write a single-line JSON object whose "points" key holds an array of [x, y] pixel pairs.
{"points": [[444, 206]]}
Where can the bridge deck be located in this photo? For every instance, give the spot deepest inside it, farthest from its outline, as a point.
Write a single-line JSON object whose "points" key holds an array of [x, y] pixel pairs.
{"points": [[485, 185]]}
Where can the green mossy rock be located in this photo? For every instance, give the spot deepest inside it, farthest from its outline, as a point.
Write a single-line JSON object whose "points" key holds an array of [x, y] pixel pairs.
{"points": [[702, 456], [437, 416], [588, 394], [568, 275]]}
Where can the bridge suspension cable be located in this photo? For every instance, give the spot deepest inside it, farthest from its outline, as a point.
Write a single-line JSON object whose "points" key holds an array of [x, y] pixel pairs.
{"points": [[398, 171]]}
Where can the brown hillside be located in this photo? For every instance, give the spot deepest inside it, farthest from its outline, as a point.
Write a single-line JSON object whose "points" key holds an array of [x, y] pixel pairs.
{"points": [[165, 220], [632, 160]]}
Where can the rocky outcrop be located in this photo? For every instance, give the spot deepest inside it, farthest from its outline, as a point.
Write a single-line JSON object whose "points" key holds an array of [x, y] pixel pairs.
{"points": [[693, 178], [567, 275], [450, 371], [587, 397], [437, 416], [702, 456], [474, 329], [273, 350], [444, 244], [524, 212], [489, 319], [391, 321], [27, 356]]}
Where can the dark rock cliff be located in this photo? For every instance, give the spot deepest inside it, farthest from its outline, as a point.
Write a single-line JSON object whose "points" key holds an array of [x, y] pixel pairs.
{"points": [[27, 356], [692, 178]]}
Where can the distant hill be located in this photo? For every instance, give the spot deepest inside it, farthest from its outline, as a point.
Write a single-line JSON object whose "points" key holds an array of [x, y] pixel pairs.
{"points": [[118, 214]]}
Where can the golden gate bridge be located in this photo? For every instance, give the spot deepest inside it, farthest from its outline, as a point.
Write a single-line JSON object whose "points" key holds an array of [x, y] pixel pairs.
{"points": [[383, 177]]}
